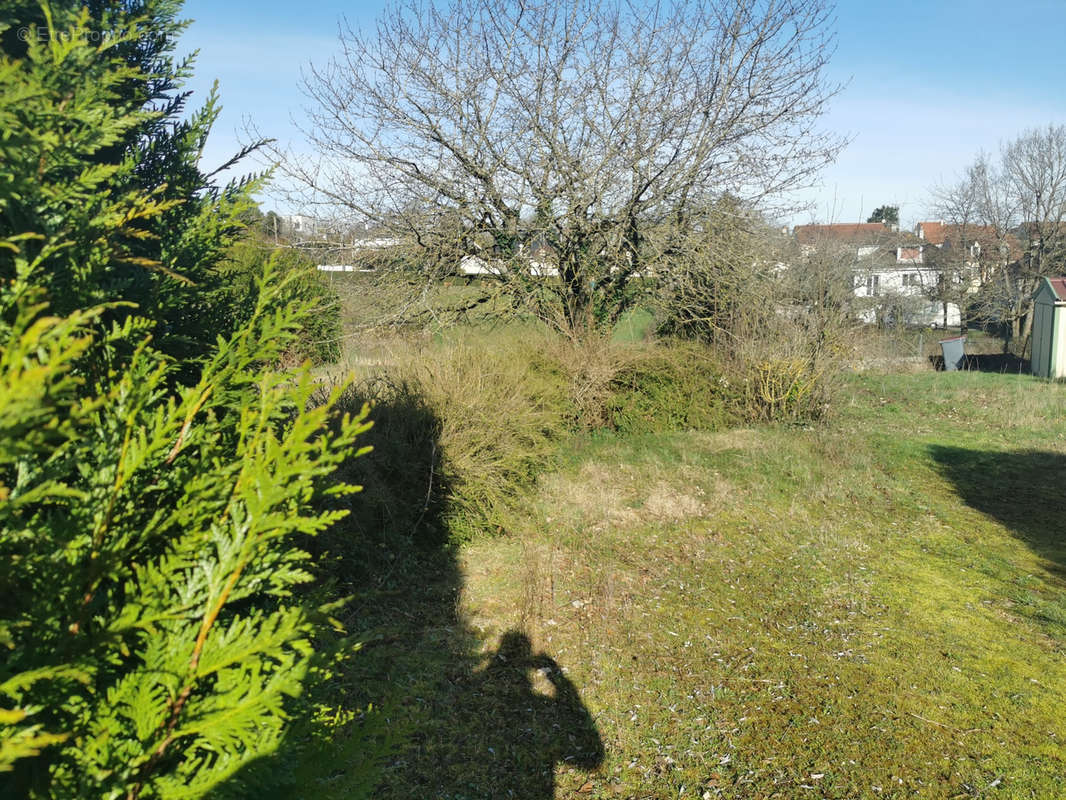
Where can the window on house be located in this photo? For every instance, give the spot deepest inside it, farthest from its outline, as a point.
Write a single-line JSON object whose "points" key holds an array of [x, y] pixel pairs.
{"points": [[911, 279], [873, 285]]}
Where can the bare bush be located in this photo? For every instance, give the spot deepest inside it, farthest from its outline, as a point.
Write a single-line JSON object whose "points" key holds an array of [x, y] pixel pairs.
{"points": [[775, 314]]}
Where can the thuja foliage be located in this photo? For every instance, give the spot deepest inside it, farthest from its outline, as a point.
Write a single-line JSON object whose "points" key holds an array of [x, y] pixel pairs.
{"points": [[153, 508], [87, 158], [148, 554], [320, 336]]}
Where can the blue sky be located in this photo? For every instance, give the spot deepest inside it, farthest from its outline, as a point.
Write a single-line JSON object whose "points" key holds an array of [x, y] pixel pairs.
{"points": [[928, 85]]}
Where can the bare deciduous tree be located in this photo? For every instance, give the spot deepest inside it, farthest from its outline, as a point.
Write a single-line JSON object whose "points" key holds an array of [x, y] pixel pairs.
{"points": [[948, 280], [490, 129], [717, 276], [1018, 207], [979, 208], [1034, 167]]}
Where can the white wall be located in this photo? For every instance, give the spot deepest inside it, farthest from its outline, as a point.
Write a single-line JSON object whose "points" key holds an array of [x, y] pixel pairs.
{"points": [[907, 281]]}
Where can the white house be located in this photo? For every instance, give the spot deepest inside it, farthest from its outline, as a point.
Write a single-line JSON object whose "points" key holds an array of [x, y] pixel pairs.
{"points": [[299, 226], [902, 289], [891, 278]]}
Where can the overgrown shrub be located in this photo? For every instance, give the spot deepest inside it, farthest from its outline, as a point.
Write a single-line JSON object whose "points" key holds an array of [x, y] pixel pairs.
{"points": [[674, 387], [646, 387], [775, 376], [489, 409], [501, 412], [774, 316]]}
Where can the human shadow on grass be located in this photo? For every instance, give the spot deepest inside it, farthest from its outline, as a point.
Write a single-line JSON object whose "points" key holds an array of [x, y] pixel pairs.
{"points": [[1022, 489], [458, 714]]}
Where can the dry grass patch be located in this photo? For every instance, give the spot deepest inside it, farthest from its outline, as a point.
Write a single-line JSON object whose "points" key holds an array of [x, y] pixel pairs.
{"points": [[602, 497]]}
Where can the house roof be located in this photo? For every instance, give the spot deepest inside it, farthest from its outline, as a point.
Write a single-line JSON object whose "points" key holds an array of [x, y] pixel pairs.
{"points": [[940, 234], [1058, 286], [937, 232], [848, 232], [932, 232]]}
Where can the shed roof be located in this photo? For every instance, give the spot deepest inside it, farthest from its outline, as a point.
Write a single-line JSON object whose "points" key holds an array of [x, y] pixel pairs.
{"points": [[1058, 286]]}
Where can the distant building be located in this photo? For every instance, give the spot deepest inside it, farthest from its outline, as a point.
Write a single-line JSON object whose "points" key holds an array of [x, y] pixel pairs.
{"points": [[892, 280], [866, 235], [299, 226], [303, 227], [981, 248], [903, 291]]}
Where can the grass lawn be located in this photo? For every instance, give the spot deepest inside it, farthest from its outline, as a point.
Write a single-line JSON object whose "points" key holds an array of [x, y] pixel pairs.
{"points": [[872, 607]]}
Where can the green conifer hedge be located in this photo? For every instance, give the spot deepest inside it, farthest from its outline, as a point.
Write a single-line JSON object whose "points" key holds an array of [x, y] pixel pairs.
{"points": [[154, 496]]}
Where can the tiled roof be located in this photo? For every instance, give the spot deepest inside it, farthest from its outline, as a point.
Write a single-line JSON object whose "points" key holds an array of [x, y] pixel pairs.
{"points": [[937, 232], [932, 232], [1058, 285], [852, 232]]}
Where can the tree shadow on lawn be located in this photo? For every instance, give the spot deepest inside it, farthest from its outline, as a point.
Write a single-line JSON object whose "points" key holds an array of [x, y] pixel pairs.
{"points": [[1024, 490], [459, 719], [988, 362]]}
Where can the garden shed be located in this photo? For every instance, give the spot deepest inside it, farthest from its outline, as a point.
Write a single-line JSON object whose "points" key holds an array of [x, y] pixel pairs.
{"points": [[1049, 329]]}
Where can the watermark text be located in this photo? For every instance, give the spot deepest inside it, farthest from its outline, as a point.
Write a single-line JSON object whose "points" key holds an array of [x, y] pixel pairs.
{"points": [[42, 35]]}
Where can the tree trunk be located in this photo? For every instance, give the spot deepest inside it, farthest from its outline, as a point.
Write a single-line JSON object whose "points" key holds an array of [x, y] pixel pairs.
{"points": [[1027, 326]]}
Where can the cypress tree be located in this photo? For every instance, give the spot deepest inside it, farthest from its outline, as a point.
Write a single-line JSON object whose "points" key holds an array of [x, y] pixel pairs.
{"points": [[157, 482]]}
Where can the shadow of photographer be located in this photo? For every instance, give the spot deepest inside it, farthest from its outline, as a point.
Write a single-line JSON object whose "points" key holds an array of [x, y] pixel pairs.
{"points": [[456, 714], [523, 717]]}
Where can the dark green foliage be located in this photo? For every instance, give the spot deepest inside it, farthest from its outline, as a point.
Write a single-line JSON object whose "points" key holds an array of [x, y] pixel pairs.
{"points": [[677, 387], [886, 214], [156, 498], [100, 146], [141, 535], [246, 261]]}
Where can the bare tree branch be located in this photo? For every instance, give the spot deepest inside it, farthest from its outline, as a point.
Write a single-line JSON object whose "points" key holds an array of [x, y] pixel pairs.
{"points": [[488, 128]]}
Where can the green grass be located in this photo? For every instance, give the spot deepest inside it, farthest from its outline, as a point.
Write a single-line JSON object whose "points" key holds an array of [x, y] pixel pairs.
{"points": [[636, 325], [872, 607]]}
